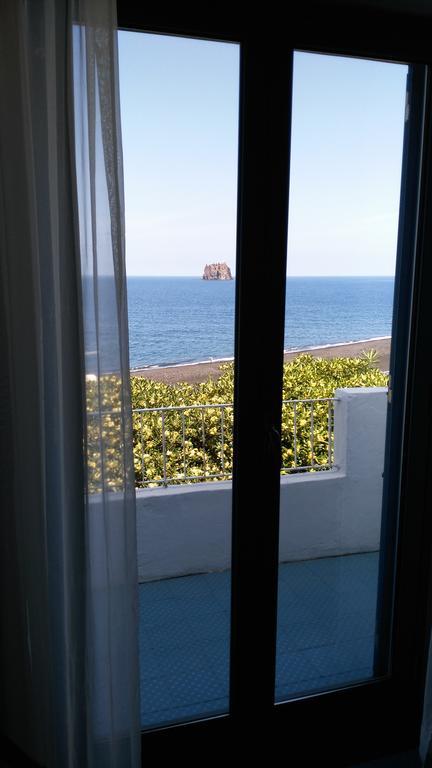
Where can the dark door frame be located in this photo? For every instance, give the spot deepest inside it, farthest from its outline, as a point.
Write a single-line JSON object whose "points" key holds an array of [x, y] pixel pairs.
{"points": [[348, 725]]}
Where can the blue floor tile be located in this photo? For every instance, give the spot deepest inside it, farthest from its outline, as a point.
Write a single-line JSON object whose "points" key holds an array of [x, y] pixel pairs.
{"points": [[168, 636], [195, 687], [325, 639], [343, 657], [295, 667], [207, 708], [155, 694]]}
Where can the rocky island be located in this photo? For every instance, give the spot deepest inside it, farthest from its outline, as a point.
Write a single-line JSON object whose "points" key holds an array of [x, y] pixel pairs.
{"points": [[219, 271]]}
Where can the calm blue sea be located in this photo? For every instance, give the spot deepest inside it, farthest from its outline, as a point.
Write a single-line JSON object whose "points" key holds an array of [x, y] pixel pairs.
{"points": [[187, 319]]}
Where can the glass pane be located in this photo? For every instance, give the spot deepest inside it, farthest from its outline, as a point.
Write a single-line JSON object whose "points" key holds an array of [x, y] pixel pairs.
{"points": [[346, 159], [179, 101]]}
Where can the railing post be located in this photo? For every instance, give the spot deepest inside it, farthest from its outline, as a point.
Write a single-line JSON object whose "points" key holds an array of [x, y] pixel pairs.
{"points": [[164, 451], [184, 444], [312, 432], [203, 442], [142, 450], [330, 434], [222, 440]]}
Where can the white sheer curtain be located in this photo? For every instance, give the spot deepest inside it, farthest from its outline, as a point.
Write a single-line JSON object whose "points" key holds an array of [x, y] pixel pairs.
{"points": [[69, 647]]}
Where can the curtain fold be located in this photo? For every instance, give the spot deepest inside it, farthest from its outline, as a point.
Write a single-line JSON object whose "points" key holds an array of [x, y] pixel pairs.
{"points": [[69, 647], [110, 498]]}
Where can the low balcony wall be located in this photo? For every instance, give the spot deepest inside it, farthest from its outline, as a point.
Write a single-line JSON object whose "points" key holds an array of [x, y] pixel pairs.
{"points": [[187, 528]]}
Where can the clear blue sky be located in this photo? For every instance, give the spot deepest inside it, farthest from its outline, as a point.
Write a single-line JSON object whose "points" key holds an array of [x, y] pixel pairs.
{"points": [[179, 103]]}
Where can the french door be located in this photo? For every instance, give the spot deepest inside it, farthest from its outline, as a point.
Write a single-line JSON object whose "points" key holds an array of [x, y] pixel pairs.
{"points": [[343, 723]]}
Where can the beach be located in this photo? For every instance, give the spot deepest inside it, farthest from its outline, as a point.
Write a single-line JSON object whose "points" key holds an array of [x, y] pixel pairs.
{"points": [[195, 373]]}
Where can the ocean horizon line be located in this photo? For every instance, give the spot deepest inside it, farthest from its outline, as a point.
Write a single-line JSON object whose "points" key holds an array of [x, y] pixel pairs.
{"points": [[301, 277]]}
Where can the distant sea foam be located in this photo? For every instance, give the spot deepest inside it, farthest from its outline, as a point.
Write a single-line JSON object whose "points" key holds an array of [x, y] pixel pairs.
{"points": [[178, 320]]}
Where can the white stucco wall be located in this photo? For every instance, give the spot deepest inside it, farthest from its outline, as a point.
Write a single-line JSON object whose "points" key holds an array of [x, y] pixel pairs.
{"points": [[187, 529]]}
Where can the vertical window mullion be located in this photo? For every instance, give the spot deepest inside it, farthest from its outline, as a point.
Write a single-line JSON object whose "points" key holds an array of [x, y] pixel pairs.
{"points": [[399, 361], [265, 121]]}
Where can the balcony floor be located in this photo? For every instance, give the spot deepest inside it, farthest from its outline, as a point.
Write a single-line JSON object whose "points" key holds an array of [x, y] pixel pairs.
{"points": [[326, 625]]}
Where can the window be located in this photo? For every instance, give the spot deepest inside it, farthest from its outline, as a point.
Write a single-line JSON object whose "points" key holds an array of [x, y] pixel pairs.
{"points": [[346, 159], [180, 167], [347, 724]]}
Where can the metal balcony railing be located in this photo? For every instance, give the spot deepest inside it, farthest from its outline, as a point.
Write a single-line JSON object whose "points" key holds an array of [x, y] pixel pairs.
{"points": [[193, 443]]}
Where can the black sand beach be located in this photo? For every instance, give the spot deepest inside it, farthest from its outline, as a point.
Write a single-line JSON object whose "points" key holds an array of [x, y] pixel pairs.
{"points": [[198, 372]]}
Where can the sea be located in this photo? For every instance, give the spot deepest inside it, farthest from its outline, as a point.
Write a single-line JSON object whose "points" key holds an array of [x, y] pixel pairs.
{"points": [[176, 320]]}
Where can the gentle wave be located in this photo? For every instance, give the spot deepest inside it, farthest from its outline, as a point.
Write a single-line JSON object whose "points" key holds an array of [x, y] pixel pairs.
{"points": [[337, 344], [182, 365], [230, 359]]}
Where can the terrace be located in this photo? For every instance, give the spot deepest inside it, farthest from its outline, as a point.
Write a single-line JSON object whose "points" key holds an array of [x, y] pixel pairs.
{"points": [[329, 550]]}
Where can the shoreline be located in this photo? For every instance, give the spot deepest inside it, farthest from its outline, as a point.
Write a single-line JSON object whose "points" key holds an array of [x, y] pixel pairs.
{"points": [[294, 350], [198, 372]]}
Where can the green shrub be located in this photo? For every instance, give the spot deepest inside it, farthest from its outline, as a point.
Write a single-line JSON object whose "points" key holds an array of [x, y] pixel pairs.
{"points": [[305, 377], [103, 445]]}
